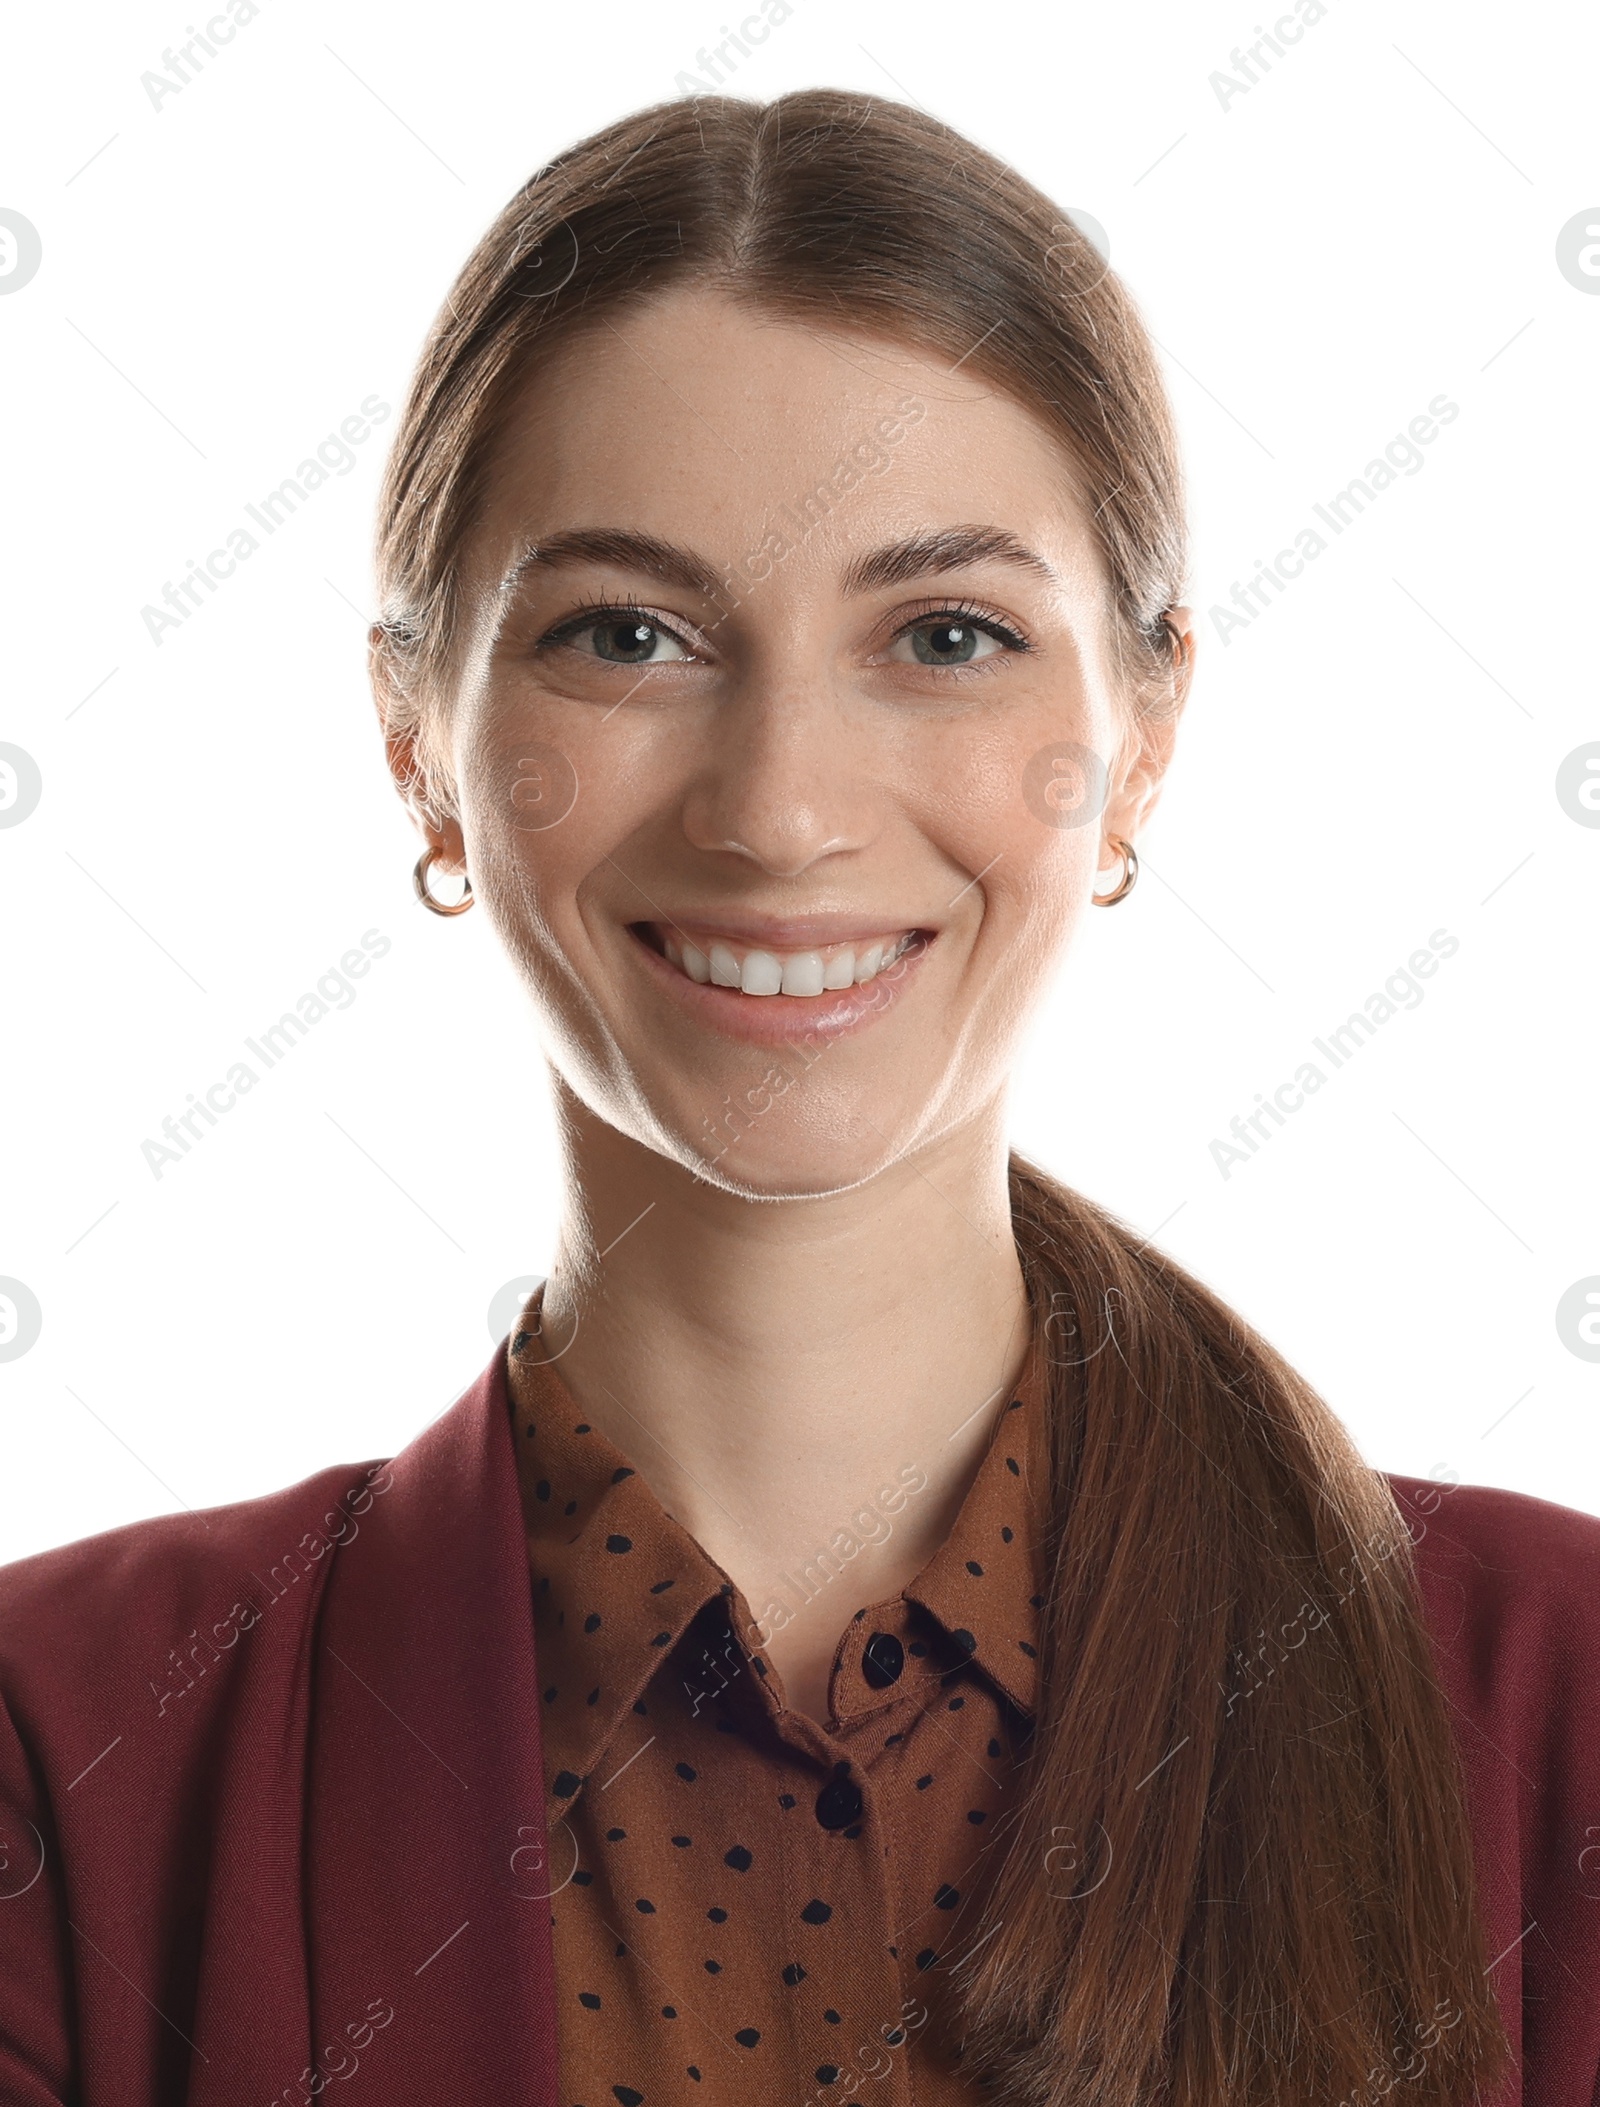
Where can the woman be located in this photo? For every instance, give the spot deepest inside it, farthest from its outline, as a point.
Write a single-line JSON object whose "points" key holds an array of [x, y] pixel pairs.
{"points": [[876, 1621]]}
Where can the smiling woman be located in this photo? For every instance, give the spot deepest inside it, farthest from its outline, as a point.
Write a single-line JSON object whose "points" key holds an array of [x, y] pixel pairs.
{"points": [[786, 783], [782, 565]]}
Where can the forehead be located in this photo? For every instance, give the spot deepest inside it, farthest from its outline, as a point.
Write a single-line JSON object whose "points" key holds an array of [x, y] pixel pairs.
{"points": [[702, 421]]}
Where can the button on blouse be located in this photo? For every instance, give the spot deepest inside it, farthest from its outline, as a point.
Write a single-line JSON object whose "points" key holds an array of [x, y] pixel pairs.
{"points": [[749, 1904]]}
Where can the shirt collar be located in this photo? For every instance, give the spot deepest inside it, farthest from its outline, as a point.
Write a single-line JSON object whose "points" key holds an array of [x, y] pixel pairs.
{"points": [[985, 1581], [618, 1581]]}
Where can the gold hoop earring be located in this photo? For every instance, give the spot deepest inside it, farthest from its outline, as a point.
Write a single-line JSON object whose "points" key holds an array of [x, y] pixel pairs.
{"points": [[419, 879], [1130, 871]]}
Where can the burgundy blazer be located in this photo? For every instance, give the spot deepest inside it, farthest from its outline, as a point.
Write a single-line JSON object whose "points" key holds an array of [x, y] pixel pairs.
{"points": [[272, 1794]]}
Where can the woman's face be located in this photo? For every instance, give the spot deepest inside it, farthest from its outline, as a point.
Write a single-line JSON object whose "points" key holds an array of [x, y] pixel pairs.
{"points": [[788, 733]]}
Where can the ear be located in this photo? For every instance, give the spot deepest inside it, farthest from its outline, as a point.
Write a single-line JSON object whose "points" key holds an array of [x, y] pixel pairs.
{"points": [[1138, 788], [437, 825]]}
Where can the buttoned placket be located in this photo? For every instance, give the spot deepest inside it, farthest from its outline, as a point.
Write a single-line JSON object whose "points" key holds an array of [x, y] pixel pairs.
{"points": [[894, 1664], [834, 1843]]}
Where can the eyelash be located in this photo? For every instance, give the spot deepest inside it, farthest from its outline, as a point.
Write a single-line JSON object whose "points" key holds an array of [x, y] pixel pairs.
{"points": [[967, 611], [589, 612]]}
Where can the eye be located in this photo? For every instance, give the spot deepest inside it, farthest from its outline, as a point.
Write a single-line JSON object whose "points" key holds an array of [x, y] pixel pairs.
{"points": [[620, 636], [953, 637]]}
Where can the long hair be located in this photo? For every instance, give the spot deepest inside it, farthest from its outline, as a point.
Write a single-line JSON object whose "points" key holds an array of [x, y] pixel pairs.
{"points": [[1240, 1869]]}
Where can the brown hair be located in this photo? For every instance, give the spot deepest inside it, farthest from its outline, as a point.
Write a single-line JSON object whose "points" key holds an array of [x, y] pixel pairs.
{"points": [[1241, 1869]]}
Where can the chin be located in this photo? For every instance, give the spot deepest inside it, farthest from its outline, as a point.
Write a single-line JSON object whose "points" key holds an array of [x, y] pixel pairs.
{"points": [[776, 1174], [791, 1133], [790, 1152]]}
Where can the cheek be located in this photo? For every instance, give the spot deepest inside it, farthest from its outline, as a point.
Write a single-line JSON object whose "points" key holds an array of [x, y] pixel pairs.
{"points": [[1022, 819], [1023, 832], [548, 798]]}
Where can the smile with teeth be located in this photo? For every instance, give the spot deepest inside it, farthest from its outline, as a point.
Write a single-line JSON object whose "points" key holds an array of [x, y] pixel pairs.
{"points": [[755, 972]]}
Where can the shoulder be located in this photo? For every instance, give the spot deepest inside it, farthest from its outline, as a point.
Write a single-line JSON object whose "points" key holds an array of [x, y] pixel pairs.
{"points": [[1510, 1587], [1506, 1555], [80, 1610]]}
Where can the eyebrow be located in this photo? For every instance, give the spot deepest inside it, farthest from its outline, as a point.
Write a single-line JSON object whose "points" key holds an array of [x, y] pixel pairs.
{"points": [[622, 546], [945, 549], [926, 555]]}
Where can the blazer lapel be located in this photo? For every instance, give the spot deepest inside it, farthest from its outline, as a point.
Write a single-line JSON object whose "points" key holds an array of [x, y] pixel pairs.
{"points": [[428, 1920]]}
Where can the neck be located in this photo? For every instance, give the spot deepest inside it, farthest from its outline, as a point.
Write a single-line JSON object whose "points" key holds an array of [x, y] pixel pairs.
{"points": [[768, 1365]]}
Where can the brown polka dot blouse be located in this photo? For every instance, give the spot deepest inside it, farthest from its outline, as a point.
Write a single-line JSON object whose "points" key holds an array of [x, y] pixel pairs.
{"points": [[750, 1907]]}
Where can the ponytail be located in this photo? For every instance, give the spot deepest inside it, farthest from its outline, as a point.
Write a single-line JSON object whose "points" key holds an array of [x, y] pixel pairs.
{"points": [[1240, 1870]]}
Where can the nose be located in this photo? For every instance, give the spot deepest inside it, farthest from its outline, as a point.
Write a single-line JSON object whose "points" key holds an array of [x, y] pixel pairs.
{"points": [[787, 781]]}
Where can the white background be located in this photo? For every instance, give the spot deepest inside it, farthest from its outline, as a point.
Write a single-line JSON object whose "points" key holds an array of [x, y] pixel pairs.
{"points": [[225, 278]]}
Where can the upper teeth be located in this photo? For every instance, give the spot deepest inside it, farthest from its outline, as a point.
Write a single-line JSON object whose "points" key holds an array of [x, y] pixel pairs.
{"points": [[784, 972]]}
